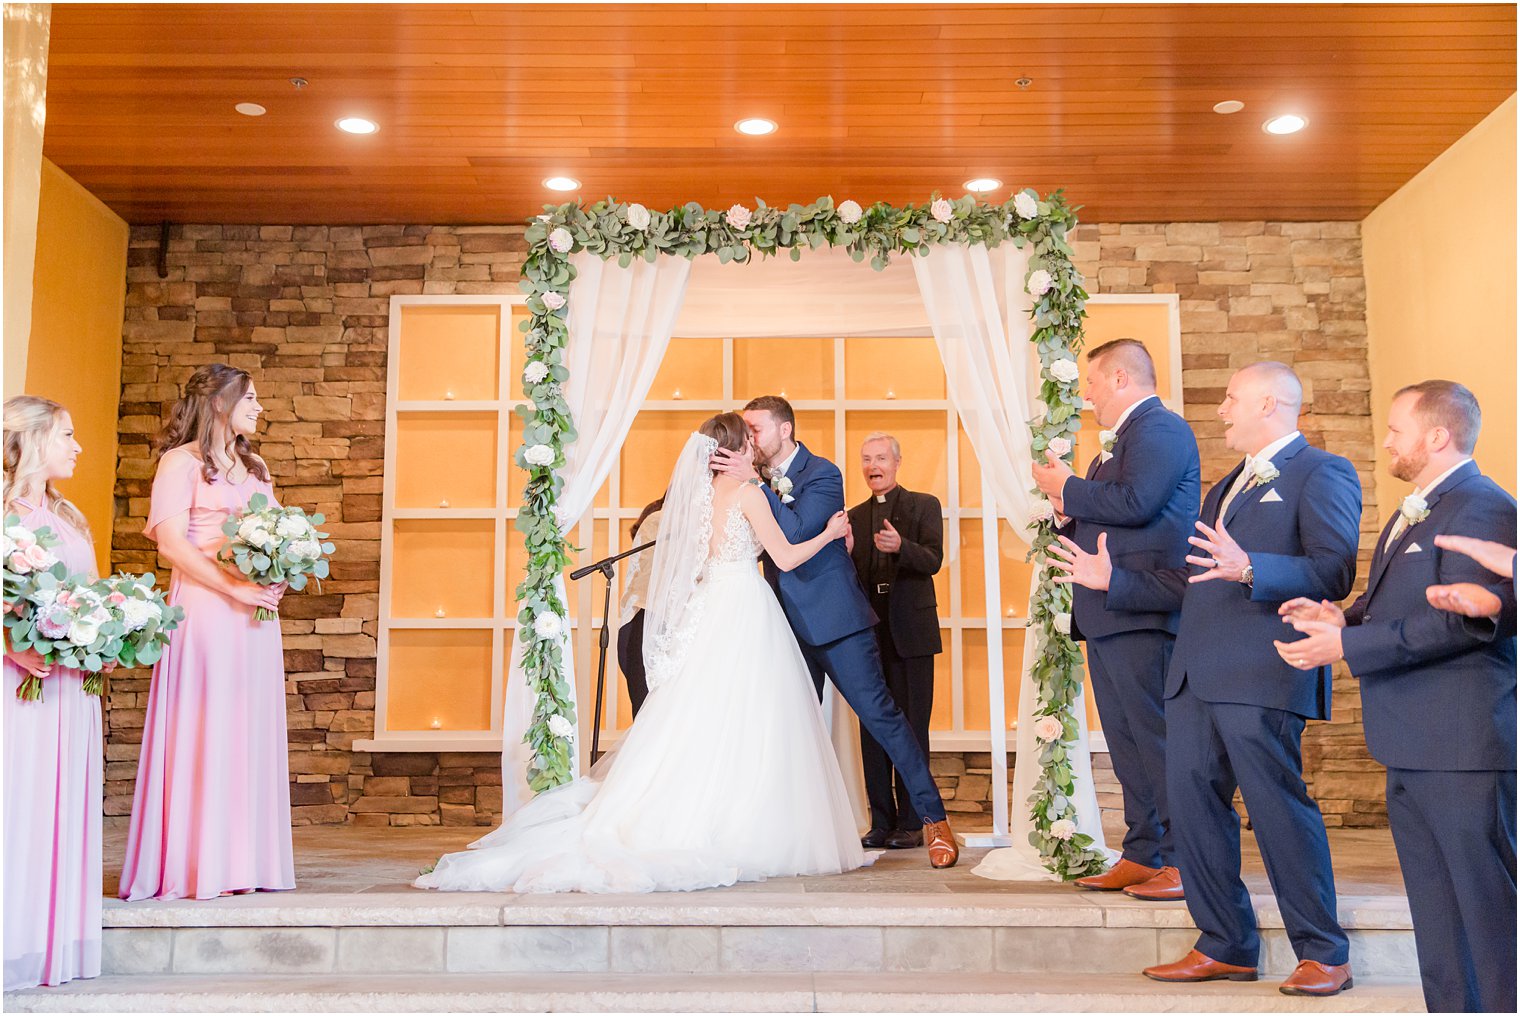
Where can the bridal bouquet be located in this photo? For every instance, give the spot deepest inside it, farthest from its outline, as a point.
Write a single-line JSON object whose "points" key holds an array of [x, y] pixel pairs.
{"points": [[91, 626], [270, 545]]}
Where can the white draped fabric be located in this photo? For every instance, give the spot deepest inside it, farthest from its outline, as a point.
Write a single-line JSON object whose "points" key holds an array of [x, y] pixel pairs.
{"points": [[620, 322], [979, 312], [26, 56]]}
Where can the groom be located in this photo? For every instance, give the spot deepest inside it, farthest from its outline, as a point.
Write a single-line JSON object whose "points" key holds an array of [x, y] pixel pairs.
{"points": [[834, 624]]}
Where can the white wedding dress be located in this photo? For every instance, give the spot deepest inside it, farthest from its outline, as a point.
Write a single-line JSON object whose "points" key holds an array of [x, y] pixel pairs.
{"points": [[727, 776]]}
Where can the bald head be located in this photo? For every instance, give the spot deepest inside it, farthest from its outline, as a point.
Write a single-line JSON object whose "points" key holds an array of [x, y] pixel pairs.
{"points": [[1261, 405]]}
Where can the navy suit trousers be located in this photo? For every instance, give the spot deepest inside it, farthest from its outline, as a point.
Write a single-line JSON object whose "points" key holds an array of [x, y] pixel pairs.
{"points": [[854, 664], [1455, 833], [1129, 675], [1211, 749]]}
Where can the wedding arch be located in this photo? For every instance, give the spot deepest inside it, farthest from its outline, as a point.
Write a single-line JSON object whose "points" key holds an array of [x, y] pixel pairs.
{"points": [[625, 267]]}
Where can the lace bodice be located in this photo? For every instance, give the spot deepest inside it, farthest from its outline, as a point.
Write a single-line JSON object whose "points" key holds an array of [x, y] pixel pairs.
{"points": [[739, 542]]}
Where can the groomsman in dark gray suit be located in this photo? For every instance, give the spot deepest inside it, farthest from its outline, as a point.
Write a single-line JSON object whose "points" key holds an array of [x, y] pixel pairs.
{"points": [[1140, 497], [1438, 700], [897, 539]]}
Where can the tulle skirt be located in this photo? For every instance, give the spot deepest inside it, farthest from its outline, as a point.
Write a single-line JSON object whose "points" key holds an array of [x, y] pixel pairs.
{"points": [[727, 776]]}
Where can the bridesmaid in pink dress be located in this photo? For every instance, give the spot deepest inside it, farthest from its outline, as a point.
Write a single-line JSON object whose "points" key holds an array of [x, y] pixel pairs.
{"points": [[211, 813], [52, 747]]}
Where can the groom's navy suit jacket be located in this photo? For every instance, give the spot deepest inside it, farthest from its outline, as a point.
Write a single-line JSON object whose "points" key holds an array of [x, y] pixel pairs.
{"points": [[1145, 497], [1300, 531], [1438, 690], [822, 597]]}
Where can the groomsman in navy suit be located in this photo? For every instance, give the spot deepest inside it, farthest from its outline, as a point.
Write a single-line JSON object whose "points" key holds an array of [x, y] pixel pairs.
{"points": [[1140, 497], [1283, 524], [1438, 700]]}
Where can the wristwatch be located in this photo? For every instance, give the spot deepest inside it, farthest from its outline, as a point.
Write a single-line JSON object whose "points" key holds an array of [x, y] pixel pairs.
{"points": [[1248, 576]]}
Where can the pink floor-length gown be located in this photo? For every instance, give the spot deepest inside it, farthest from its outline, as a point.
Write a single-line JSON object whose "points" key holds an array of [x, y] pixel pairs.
{"points": [[52, 809], [211, 812]]}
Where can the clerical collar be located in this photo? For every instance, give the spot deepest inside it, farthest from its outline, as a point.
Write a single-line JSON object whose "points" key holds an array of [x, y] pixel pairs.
{"points": [[881, 499]]}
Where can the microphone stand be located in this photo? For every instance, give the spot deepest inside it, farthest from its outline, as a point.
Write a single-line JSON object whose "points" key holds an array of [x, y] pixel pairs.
{"points": [[605, 567]]}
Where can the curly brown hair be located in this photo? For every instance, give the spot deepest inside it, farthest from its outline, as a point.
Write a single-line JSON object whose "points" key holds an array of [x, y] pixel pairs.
{"points": [[209, 397]]}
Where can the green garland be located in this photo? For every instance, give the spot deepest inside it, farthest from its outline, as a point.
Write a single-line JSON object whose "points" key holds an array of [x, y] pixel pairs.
{"points": [[611, 229]]}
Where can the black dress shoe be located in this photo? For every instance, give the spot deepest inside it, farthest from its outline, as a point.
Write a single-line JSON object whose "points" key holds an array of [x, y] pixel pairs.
{"points": [[874, 840], [902, 839]]}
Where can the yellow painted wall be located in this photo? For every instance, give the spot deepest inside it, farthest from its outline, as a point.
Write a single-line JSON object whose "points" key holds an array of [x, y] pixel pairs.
{"points": [[74, 356], [1439, 257]]}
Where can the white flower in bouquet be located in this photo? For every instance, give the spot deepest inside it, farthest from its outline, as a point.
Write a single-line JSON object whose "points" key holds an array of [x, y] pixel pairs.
{"points": [[305, 550], [942, 210], [560, 240], [553, 300], [638, 216], [1039, 282], [1048, 728], [548, 625], [535, 372], [1041, 511], [1063, 829], [1025, 205], [539, 455], [135, 614], [1064, 370], [738, 216], [83, 631], [850, 212], [19, 538], [560, 727], [1060, 445], [292, 527], [1062, 623]]}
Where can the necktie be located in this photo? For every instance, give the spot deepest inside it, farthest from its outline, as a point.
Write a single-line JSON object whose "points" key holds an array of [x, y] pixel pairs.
{"points": [[1241, 482]]}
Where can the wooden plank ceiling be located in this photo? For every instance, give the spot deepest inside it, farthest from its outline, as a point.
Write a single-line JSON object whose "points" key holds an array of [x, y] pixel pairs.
{"points": [[479, 103]]}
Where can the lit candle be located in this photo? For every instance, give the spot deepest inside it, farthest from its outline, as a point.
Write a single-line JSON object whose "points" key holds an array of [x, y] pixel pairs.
{"points": [[891, 394], [448, 396], [437, 724], [440, 612], [443, 504], [676, 394]]}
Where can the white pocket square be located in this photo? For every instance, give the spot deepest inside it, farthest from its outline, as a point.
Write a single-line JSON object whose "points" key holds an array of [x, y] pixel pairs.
{"points": [[1270, 496], [1413, 548], [787, 499]]}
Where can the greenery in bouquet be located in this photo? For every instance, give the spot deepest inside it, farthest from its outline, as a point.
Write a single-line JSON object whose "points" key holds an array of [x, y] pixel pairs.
{"points": [[270, 544], [27, 554], [91, 626]]}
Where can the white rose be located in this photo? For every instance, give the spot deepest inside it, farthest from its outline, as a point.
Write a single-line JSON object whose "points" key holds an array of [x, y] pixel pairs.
{"points": [[1265, 471], [1048, 728], [560, 727], [1041, 511], [1062, 623], [1063, 828], [850, 212], [1060, 445], [136, 614], [738, 216], [1107, 438], [535, 372], [1414, 509], [1064, 370], [305, 550], [638, 217], [783, 486], [553, 300], [539, 455], [291, 526], [560, 240], [942, 210], [1026, 206], [548, 625], [21, 537], [261, 538], [83, 631], [1039, 282], [250, 525]]}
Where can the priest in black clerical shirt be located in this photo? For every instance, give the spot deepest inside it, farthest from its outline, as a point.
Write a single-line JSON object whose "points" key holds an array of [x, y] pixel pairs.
{"points": [[897, 539]]}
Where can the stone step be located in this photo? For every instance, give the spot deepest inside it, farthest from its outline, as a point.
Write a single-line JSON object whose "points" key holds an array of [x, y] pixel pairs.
{"points": [[591, 992], [780, 932]]}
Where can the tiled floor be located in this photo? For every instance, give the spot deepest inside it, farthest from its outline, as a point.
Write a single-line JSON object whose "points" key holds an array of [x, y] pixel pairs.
{"points": [[344, 859]]}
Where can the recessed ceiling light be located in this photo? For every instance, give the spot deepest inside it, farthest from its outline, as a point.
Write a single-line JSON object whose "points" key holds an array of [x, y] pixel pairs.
{"points": [[563, 183], [1287, 123], [357, 125], [1229, 106], [982, 184], [250, 109], [756, 125]]}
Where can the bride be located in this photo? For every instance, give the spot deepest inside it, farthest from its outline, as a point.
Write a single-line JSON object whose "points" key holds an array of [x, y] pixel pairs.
{"points": [[728, 775]]}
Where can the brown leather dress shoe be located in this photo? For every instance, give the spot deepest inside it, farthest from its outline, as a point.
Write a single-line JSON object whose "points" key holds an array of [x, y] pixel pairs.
{"points": [[874, 839], [904, 839], [943, 850], [1313, 978], [1120, 876], [1195, 966], [1166, 885]]}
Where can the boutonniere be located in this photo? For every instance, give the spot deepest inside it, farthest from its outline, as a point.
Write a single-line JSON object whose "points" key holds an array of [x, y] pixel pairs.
{"points": [[1414, 509], [1107, 439], [1262, 471], [781, 485]]}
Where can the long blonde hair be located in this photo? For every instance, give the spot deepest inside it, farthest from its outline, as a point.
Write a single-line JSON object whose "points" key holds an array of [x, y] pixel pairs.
{"points": [[30, 423], [209, 397]]}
